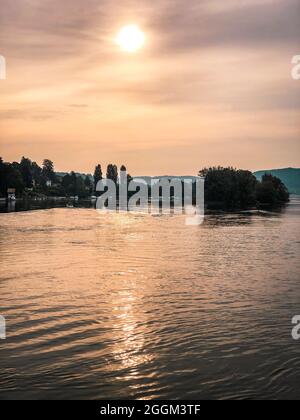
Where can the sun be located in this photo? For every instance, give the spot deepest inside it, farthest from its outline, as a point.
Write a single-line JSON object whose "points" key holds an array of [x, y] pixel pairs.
{"points": [[130, 39]]}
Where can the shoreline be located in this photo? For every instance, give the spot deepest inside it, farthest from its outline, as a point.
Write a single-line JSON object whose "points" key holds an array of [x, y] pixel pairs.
{"points": [[21, 205]]}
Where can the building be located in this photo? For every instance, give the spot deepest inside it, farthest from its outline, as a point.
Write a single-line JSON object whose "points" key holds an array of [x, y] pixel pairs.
{"points": [[11, 194]]}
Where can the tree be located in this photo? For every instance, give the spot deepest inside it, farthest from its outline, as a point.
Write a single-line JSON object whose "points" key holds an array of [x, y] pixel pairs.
{"points": [[282, 194], [231, 189], [221, 187], [80, 189], [2, 177], [97, 175], [14, 178], [26, 172], [88, 184], [112, 173], [36, 174], [228, 188], [67, 184], [247, 184], [48, 173], [272, 191], [129, 177], [10, 177], [74, 185]]}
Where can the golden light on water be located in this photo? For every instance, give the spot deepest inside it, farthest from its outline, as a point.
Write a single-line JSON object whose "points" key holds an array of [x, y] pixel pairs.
{"points": [[130, 39]]}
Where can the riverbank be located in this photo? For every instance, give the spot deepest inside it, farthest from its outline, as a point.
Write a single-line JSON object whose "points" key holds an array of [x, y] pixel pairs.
{"points": [[22, 205]]}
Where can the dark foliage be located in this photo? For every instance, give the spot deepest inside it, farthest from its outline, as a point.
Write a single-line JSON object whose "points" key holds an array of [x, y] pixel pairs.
{"points": [[97, 175], [231, 189], [271, 191], [112, 173], [225, 188]]}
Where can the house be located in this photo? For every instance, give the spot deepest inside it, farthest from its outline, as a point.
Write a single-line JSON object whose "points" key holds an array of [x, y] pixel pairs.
{"points": [[11, 194]]}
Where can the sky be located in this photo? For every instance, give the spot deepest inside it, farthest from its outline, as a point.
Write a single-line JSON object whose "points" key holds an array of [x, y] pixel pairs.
{"points": [[212, 85]]}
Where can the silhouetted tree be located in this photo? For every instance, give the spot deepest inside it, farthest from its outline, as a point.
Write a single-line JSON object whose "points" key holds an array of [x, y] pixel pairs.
{"points": [[129, 177], [67, 184], [36, 174], [2, 177], [97, 175], [10, 177], [26, 172], [112, 173], [74, 185], [230, 189], [88, 184], [246, 189], [271, 191], [48, 173], [221, 187]]}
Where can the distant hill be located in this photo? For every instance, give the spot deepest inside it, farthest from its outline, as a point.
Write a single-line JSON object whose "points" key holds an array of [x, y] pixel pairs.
{"points": [[289, 176], [149, 179]]}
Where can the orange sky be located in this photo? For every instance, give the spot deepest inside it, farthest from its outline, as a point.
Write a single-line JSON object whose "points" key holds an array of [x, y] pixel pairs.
{"points": [[212, 85]]}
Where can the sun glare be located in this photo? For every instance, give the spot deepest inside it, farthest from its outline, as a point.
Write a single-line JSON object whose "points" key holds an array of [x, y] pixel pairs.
{"points": [[130, 39]]}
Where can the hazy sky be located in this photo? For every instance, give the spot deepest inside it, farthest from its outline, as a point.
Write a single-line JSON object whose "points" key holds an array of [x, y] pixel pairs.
{"points": [[212, 86]]}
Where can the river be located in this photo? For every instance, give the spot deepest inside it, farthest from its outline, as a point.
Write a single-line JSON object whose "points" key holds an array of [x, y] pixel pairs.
{"points": [[137, 306]]}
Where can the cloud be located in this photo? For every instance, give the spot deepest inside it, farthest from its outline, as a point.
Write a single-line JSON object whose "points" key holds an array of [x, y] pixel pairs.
{"points": [[54, 27], [28, 114], [249, 23], [208, 68]]}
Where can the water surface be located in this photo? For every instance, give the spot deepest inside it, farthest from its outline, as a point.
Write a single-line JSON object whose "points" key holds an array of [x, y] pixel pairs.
{"points": [[135, 306]]}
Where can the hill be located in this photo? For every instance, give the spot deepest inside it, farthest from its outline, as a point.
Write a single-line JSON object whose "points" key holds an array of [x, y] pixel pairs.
{"points": [[289, 176]]}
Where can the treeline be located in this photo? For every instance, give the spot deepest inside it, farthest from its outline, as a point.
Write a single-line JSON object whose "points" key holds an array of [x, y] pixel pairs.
{"points": [[31, 180], [231, 189], [26, 176], [225, 188]]}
